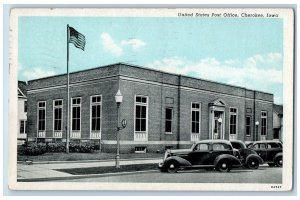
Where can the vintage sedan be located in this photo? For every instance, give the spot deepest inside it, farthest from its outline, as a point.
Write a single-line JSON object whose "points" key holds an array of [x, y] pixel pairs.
{"points": [[270, 151], [208, 154], [248, 157]]}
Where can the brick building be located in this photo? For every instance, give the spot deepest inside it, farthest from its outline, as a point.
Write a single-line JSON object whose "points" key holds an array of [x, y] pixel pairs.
{"points": [[162, 109], [22, 112], [277, 121]]}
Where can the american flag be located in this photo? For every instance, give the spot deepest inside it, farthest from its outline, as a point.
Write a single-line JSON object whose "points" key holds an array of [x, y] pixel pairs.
{"points": [[76, 38]]}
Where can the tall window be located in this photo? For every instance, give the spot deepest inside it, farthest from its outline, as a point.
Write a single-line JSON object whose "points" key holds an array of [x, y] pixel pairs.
{"points": [[76, 104], [169, 117], [57, 114], [232, 121], [141, 104], [195, 118], [248, 125], [41, 116], [22, 127], [25, 106], [263, 122], [96, 113]]}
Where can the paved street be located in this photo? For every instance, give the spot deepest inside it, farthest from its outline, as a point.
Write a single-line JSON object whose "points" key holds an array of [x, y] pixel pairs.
{"points": [[264, 174]]}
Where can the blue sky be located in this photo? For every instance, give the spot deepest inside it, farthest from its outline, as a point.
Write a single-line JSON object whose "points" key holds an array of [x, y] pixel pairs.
{"points": [[247, 52]]}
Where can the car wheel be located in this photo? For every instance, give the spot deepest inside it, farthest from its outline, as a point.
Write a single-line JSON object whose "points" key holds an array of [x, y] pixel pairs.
{"points": [[223, 166], [253, 163], [279, 161], [172, 167]]}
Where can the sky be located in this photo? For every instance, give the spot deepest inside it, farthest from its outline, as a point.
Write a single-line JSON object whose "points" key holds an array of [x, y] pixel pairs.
{"points": [[246, 52]]}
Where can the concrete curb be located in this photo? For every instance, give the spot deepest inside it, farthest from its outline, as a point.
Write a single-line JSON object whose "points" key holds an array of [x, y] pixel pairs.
{"points": [[82, 176], [87, 161]]}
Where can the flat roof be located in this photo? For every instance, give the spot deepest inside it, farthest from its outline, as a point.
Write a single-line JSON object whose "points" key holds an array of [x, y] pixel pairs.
{"points": [[150, 69]]}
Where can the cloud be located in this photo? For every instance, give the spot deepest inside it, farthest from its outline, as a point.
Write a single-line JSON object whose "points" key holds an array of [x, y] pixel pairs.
{"points": [[36, 73], [266, 60], [115, 48], [134, 43], [249, 73], [110, 45]]}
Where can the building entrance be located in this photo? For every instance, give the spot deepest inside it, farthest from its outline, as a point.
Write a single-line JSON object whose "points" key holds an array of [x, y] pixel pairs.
{"points": [[217, 133], [217, 119]]}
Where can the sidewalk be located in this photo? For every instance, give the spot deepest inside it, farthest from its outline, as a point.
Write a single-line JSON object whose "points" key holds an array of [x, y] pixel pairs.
{"points": [[46, 170]]}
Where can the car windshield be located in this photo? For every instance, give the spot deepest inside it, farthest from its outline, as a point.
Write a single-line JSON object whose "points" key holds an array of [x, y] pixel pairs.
{"points": [[238, 145]]}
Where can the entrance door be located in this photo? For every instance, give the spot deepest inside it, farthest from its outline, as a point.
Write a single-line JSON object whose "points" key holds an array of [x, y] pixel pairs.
{"points": [[276, 133], [217, 130]]}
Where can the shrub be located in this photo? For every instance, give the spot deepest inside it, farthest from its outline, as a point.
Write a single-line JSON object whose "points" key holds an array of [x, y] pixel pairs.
{"points": [[34, 149], [82, 148], [56, 147]]}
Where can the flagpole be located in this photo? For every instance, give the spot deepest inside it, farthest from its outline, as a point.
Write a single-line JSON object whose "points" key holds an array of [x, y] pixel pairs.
{"points": [[68, 96]]}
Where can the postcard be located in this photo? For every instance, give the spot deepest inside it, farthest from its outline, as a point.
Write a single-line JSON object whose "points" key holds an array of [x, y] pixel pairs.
{"points": [[160, 99]]}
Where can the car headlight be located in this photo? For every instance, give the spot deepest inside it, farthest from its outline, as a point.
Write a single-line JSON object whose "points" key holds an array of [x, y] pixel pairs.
{"points": [[167, 154]]}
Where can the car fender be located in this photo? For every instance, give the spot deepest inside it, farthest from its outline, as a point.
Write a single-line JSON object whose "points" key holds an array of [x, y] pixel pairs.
{"points": [[261, 161], [234, 161], [181, 161], [277, 155]]}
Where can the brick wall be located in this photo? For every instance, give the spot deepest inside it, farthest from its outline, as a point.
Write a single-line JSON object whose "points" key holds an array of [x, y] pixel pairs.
{"points": [[163, 90]]}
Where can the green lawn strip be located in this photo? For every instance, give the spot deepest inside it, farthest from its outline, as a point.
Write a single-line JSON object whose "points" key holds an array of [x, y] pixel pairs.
{"points": [[85, 156], [110, 169]]}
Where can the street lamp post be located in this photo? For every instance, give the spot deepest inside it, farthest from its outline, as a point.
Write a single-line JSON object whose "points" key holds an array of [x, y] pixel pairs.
{"points": [[119, 99], [256, 126]]}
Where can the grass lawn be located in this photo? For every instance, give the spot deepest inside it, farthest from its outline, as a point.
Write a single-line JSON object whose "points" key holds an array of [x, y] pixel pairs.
{"points": [[112, 169], [86, 156]]}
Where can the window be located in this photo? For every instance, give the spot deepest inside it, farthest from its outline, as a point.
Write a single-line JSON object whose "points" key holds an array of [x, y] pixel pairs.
{"points": [[25, 106], [263, 123], [22, 127], [259, 146], [96, 113], [195, 118], [201, 147], [169, 116], [140, 149], [273, 145], [57, 114], [76, 105], [41, 116], [236, 145], [219, 146], [141, 104], [248, 125], [232, 121]]}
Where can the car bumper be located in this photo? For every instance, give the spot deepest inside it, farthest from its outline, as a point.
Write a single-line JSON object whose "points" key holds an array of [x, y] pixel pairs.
{"points": [[161, 165]]}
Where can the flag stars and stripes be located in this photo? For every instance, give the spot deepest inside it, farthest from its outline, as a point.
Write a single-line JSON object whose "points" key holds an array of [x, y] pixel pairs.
{"points": [[76, 38]]}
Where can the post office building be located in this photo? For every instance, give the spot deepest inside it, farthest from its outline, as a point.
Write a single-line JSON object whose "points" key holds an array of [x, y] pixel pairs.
{"points": [[163, 110]]}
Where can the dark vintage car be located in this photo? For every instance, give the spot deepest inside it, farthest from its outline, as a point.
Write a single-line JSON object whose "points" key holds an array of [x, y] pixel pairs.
{"points": [[269, 151], [248, 157], [248, 144], [207, 154]]}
